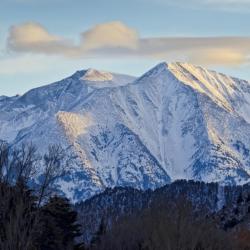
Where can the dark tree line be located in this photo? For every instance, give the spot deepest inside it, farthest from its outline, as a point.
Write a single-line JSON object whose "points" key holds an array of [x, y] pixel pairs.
{"points": [[38, 219], [34, 219], [170, 225]]}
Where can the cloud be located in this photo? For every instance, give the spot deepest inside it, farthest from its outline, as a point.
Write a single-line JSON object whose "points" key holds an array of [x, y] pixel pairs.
{"points": [[219, 57], [218, 5], [33, 37], [116, 40], [212, 3], [110, 35], [201, 50], [226, 1], [23, 64]]}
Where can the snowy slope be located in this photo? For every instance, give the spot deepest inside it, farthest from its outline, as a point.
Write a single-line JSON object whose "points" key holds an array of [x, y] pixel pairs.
{"points": [[177, 121]]}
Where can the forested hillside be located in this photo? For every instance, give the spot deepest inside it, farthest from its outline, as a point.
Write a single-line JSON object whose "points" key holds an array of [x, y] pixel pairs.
{"points": [[182, 215]]}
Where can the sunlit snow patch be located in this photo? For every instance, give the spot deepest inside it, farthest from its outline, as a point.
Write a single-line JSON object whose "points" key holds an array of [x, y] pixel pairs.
{"points": [[97, 76]]}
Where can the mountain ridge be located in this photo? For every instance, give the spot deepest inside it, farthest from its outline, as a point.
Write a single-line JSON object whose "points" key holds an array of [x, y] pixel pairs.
{"points": [[145, 132]]}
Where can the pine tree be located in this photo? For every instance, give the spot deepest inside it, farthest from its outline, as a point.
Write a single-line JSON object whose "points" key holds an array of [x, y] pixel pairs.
{"points": [[96, 240], [58, 226]]}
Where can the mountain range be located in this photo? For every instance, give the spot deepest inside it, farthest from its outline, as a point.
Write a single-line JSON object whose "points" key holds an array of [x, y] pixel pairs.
{"points": [[177, 121]]}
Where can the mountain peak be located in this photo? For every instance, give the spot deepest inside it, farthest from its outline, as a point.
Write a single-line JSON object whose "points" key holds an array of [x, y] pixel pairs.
{"points": [[177, 121], [97, 76], [220, 88], [175, 68], [181, 68]]}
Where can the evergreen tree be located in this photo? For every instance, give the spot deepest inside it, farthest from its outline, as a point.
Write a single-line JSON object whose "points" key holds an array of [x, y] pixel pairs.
{"points": [[58, 226], [96, 240]]}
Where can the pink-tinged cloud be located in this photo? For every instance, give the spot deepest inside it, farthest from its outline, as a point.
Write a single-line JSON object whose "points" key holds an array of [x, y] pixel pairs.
{"points": [[33, 37], [110, 35], [115, 39]]}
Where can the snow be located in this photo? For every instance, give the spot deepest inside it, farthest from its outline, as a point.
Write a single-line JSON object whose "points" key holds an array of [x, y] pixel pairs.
{"points": [[74, 124], [209, 83], [97, 76], [177, 121], [220, 197]]}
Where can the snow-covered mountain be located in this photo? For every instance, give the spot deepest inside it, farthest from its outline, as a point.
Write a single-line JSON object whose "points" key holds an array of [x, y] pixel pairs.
{"points": [[177, 121]]}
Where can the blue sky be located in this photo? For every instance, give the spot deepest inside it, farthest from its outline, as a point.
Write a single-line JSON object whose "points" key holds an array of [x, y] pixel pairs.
{"points": [[44, 41]]}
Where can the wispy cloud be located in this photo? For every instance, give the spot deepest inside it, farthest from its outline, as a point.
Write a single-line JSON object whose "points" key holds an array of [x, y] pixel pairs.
{"points": [[115, 39], [201, 50], [23, 65], [224, 1], [217, 4]]}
